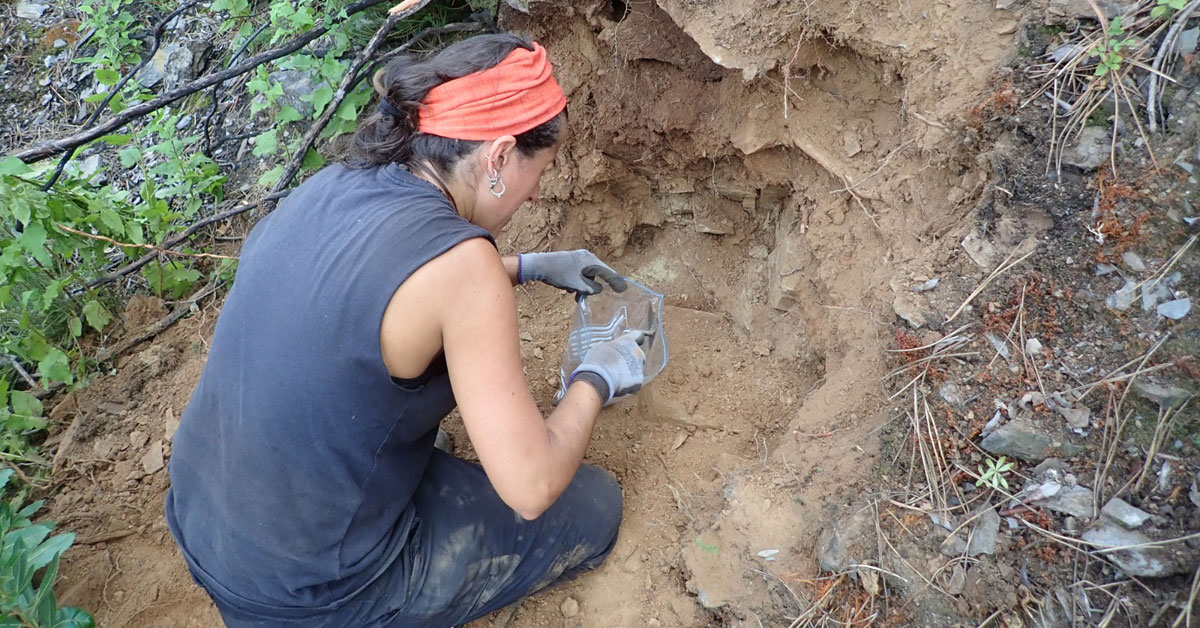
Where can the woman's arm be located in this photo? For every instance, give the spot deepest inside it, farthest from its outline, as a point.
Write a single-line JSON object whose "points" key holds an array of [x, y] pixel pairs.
{"points": [[529, 459], [511, 266]]}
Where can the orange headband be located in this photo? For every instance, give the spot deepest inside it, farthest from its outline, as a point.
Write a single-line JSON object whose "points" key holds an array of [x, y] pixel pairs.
{"points": [[513, 97]]}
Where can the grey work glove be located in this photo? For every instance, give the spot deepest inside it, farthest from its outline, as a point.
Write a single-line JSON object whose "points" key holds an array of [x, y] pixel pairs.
{"points": [[615, 368], [575, 271]]}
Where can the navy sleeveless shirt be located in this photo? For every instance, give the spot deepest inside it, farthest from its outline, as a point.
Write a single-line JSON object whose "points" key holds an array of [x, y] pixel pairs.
{"points": [[296, 460]]}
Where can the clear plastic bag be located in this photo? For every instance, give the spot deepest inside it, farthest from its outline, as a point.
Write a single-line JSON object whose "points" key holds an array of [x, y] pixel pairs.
{"points": [[604, 316]]}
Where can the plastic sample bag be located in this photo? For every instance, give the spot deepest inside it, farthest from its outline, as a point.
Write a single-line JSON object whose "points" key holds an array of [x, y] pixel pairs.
{"points": [[604, 316]]}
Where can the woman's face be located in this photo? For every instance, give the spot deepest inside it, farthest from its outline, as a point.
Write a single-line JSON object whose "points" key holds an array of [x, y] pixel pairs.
{"points": [[521, 177]]}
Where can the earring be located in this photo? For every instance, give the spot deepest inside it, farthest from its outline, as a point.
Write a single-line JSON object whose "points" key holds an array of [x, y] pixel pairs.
{"points": [[494, 180]]}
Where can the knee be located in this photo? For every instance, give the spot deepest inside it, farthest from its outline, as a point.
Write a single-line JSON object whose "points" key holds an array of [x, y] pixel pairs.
{"points": [[598, 492]]}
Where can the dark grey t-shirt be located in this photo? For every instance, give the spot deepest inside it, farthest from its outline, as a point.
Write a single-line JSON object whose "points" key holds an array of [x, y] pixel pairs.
{"points": [[295, 462]]}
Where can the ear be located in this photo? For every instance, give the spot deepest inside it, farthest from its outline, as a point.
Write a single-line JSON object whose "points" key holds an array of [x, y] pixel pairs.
{"points": [[502, 150]]}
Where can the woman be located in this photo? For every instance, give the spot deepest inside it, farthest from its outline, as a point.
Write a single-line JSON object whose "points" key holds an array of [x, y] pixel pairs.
{"points": [[306, 489]]}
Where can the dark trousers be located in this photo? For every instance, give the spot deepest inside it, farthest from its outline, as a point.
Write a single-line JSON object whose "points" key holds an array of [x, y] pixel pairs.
{"points": [[469, 554]]}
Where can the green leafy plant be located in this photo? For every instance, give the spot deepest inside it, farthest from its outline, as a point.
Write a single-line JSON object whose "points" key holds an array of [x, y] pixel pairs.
{"points": [[1166, 8], [25, 549], [1110, 48], [992, 475]]}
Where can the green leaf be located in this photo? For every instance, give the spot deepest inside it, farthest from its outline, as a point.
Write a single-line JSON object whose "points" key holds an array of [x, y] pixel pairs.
{"points": [[116, 139], [129, 155], [33, 240], [56, 367], [11, 165], [321, 97], [75, 326], [711, 549], [51, 549], [271, 176], [112, 220], [5, 476], [30, 510], [25, 404], [108, 77], [266, 143], [288, 113], [72, 617], [312, 160], [97, 317]]}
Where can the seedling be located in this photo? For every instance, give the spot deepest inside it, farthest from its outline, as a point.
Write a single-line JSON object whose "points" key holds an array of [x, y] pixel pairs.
{"points": [[1166, 8], [993, 475], [1109, 50]]}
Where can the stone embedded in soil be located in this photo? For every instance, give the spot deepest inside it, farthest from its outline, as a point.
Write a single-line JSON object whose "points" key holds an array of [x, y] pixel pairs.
{"points": [[952, 394], [983, 533], [1020, 438], [169, 65], [1124, 513], [831, 550], [1138, 562], [1176, 309], [138, 439], [1083, 9], [1134, 261], [153, 460], [958, 580], [1166, 396], [30, 10], [910, 308], [1091, 149], [1076, 501], [570, 607]]}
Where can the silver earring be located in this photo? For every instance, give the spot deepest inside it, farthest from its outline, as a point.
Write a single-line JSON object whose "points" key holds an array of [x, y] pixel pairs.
{"points": [[494, 180]]}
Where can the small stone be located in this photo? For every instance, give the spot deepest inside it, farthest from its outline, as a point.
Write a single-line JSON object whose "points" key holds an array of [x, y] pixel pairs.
{"points": [[984, 531], [60, 43], [537, 353], [1123, 513], [1091, 149], [30, 10], [1021, 439], [927, 286], [170, 424], [762, 348], [1105, 269], [1076, 501], [570, 607], [169, 65], [111, 407], [1083, 10], [153, 460], [138, 439], [1050, 464], [1138, 562], [526, 336], [831, 550], [1123, 298], [952, 394], [1165, 395], [1071, 524], [1176, 309], [958, 580], [908, 307], [1133, 261], [759, 251], [1033, 346]]}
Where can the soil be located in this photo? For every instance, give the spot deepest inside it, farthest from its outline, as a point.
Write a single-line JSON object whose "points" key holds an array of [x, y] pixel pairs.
{"points": [[785, 173]]}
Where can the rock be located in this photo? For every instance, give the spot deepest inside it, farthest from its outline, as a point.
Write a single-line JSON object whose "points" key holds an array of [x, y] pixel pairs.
{"points": [[831, 550], [982, 252], [762, 348], [298, 88], [1050, 464], [910, 308], [570, 607], [1082, 9], [1176, 309], [790, 265], [138, 439], [1076, 417], [153, 460], [170, 424], [85, 168], [1134, 261], [1165, 395], [983, 533], [759, 251], [1091, 149], [443, 441], [1186, 44], [1005, 5], [1076, 501], [1033, 346], [1021, 439], [1105, 269], [30, 10], [958, 580], [927, 286], [170, 66], [1137, 562], [111, 407], [952, 394], [1123, 513]]}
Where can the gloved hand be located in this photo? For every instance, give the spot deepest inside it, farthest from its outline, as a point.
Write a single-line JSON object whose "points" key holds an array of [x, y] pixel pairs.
{"points": [[574, 271], [616, 368]]}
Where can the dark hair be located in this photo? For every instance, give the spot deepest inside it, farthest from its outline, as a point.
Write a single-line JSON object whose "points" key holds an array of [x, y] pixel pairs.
{"points": [[405, 81]]}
